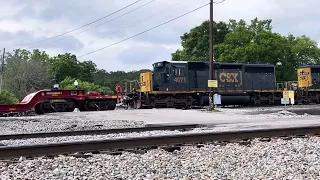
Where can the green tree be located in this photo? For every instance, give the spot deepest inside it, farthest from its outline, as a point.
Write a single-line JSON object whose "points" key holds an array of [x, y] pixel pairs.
{"points": [[196, 43], [23, 74], [7, 98], [252, 42], [65, 65], [111, 79], [68, 83], [256, 43], [87, 70]]}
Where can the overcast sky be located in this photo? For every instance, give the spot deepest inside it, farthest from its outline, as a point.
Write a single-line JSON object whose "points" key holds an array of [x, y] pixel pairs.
{"points": [[29, 21]]}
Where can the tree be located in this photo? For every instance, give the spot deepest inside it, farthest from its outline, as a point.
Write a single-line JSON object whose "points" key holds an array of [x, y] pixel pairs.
{"points": [[7, 98], [23, 74], [64, 65], [67, 64], [255, 42], [196, 43], [111, 79], [87, 70], [68, 83]]}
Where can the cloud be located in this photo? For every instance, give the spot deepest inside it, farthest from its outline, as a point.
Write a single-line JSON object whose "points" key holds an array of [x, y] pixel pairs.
{"points": [[32, 20], [144, 54]]}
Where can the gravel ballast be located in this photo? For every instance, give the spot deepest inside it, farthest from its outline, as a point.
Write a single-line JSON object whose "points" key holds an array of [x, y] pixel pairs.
{"points": [[290, 159], [64, 122]]}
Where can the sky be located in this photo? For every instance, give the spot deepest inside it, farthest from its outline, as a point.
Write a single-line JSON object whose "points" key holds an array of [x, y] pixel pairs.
{"points": [[31, 24]]}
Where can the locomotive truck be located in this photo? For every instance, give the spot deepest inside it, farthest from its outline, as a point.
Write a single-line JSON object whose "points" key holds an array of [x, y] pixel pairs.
{"points": [[185, 84]]}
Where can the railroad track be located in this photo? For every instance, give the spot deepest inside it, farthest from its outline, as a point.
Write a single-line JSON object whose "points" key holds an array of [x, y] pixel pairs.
{"points": [[124, 143], [100, 131]]}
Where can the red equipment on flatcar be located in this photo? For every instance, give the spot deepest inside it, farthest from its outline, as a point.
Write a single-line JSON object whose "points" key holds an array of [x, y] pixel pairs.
{"points": [[55, 100]]}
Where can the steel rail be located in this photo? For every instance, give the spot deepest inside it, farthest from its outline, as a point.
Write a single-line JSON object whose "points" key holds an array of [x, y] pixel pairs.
{"points": [[98, 131], [123, 143]]}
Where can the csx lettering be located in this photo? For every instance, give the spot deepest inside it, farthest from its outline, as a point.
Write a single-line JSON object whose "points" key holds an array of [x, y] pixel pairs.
{"points": [[229, 77], [179, 79], [303, 78]]}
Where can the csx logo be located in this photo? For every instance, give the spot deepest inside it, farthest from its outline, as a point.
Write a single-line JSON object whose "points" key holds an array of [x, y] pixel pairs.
{"points": [[303, 78], [229, 77]]}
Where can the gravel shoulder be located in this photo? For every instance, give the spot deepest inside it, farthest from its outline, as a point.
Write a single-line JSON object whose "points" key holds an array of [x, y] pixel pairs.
{"points": [[63, 122], [279, 159], [226, 117]]}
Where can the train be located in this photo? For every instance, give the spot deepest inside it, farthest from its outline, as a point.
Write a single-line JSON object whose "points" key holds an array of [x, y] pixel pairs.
{"points": [[185, 84], [182, 85]]}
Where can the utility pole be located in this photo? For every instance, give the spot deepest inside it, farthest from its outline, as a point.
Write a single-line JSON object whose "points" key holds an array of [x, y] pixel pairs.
{"points": [[211, 54], [2, 68]]}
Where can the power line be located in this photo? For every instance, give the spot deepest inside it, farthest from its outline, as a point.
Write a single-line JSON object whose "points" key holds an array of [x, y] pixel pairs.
{"points": [[144, 31], [138, 22], [85, 24], [219, 2], [98, 24]]}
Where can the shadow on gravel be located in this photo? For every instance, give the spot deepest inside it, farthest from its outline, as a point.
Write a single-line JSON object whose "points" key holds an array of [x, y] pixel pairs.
{"points": [[311, 111]]}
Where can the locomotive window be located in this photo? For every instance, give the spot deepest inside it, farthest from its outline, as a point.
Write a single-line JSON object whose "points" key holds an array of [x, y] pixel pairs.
{"points": [[315, 70], [196, 66], [178, 72], [259, 69], [225, 66]]}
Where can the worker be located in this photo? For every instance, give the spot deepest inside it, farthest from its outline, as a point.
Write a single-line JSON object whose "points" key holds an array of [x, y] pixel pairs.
{"points": [[118, 90]]}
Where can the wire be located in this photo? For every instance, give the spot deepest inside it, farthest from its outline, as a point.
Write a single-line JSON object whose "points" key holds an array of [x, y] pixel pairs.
{"points": [[85, 24], [219, 2], [99, 24], [138, 22], [144, 31]]}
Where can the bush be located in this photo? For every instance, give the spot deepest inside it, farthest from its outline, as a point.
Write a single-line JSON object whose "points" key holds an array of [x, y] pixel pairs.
{"points": [[67, 84], [8, 98]]}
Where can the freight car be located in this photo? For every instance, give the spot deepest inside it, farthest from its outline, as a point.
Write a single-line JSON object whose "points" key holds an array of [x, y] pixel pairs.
{"points": [[185, 84], [55, 100]]}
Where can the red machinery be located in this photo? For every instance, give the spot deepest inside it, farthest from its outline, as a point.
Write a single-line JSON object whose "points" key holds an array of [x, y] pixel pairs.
{"points": [[53, 100]]}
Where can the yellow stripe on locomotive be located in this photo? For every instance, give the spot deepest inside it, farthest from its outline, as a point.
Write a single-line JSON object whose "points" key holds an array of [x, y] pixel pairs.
{"points": [[146, 81]]}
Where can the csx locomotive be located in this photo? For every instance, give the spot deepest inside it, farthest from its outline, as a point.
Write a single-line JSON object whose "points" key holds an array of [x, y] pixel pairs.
{"points": [[185, 84]]}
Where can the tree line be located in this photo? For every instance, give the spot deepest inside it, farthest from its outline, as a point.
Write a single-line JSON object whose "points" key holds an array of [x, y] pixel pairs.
{"points": [[26, 72], [234, 41], [254, 42]]}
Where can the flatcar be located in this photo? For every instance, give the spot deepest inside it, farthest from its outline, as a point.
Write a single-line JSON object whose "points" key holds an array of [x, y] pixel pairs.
{"points": [[55, 100], [185, 84]]}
